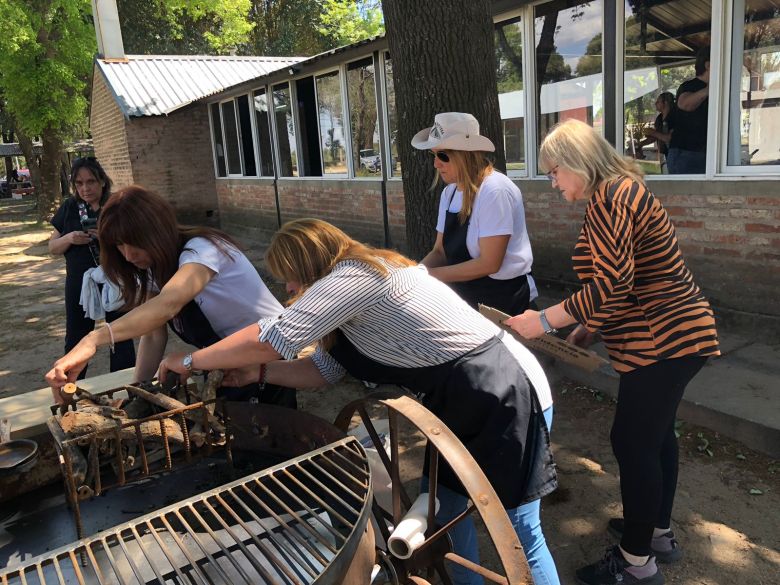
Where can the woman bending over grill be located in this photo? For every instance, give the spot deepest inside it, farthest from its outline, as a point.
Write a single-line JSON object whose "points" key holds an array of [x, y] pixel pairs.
{"points": [[384, 319], [655, 322], [193, 279]]}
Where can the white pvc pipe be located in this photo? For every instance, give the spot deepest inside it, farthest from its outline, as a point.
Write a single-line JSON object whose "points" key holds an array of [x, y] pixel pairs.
{"points": [[410, 532]]}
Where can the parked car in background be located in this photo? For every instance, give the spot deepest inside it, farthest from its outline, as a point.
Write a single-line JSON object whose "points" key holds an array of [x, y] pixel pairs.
{"points": [[369, 160]]}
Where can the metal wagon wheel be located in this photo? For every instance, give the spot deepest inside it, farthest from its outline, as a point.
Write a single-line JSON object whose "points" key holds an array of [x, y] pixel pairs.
{"points": [[441, 442]]}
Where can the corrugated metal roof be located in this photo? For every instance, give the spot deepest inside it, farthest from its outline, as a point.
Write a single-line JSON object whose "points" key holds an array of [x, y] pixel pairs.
{"points": [[155, 85]]}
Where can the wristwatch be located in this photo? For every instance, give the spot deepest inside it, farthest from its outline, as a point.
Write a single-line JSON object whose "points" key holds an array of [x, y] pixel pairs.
{"points": [[549, 329], [187, 363]]}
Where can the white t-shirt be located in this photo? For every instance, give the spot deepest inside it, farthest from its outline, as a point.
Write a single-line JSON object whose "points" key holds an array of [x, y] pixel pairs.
{"points": [[236, 296], [497, 211]]}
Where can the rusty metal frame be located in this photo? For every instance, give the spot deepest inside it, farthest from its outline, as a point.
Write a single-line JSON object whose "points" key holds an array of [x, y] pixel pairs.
{"points": [[442, 442], [76, 494]]}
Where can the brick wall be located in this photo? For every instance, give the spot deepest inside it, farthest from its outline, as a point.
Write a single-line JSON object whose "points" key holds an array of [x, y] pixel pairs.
{"points": [[172, 156], [108, 133], [729, 231]]}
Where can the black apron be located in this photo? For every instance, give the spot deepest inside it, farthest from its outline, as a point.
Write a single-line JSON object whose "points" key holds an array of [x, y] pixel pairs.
{"points": [[486, 399], [192, 326], [511, 296]]}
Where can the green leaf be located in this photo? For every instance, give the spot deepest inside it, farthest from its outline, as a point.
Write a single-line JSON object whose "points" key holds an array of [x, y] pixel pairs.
{"points": [[756, 492], [741, 457]]}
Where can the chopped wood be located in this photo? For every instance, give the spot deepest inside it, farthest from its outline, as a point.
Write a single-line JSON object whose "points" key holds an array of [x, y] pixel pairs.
{"points": [[80, 423], [169, 403]]}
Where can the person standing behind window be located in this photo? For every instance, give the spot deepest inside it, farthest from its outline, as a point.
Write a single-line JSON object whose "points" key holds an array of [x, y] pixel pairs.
{"points": [[92, 187], [688, 146], [482, 250]]}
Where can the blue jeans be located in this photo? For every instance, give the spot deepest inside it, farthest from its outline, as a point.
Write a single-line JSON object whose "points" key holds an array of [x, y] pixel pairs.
{"points": [[525, 520], [686, 162]]}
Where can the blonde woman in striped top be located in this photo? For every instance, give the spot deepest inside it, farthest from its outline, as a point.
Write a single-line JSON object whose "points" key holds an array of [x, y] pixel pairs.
{"points": [[657, 326]]}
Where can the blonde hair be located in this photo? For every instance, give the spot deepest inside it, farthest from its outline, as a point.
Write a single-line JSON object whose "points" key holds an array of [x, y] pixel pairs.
{"points": [[305, 250], [471, 167], [581, 149]]}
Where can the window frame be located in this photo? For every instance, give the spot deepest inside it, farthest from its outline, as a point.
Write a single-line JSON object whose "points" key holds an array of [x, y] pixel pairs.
{"points": [[230, 175], [255, 133], [345, 124], [348, 119]]}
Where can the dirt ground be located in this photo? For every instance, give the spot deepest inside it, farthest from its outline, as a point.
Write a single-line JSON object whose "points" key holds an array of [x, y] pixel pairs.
{"points": [[726, 514]]}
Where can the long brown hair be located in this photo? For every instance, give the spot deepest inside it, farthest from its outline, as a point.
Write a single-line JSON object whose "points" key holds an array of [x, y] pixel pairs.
{"points": [[143, 219], [305, 250], [472, 167]]}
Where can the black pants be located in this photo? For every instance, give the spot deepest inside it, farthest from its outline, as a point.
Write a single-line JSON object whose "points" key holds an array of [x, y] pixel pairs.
{"points": [[645, 446], [77, 326]]}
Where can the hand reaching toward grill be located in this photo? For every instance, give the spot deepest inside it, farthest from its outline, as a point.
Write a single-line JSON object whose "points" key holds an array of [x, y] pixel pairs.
{"points": [[68, 367], [173, 362]]}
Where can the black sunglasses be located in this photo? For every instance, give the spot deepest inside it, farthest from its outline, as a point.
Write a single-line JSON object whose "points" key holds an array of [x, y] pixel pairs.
{"points": [[441, 155]]}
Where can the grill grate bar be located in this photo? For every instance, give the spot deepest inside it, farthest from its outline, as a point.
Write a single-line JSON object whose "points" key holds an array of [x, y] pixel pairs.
{"points": [[286, 548], [282, 526], [258, 543]]}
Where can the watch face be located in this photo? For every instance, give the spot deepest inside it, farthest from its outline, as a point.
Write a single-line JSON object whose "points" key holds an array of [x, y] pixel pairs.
{"points": [[187, 362]]}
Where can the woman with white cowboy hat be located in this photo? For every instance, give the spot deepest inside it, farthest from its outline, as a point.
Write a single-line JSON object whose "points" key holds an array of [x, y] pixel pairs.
{"points": [[482, 248]]}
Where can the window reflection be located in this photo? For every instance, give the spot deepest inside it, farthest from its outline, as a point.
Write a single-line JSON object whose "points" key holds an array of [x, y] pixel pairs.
{"points": [[395, 166], [288, 160], [263, 133], [568, 63], [662, 41], [219, 149], [231, 138], [509, 75], [754, 114], [331, 124], [364, 123]]}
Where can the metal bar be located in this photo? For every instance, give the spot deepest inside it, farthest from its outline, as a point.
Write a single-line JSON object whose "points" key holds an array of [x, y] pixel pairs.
{"points": [[293, 531], [166, 552], [364, 472], [433, 477], [250, 557], [120, 462], [149, 558], [259, 543], [480, 570], [446, 527], [139, 437], [323, 486], [203, 549], [274, 538], [166, 445], [186, 434], [322, 502], [95, 564], [226, 551], [94, 462], [58, 570], [112, 559], [129, 558], [313, 514], [395, 475], [193, 563]]}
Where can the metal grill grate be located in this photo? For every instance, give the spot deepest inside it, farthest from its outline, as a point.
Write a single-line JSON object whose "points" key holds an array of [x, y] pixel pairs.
{"points": [[295, 523]]}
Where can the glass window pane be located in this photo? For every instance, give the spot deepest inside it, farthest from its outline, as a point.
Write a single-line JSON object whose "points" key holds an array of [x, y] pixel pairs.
{"points": [[231, 138], [392, 115], [219, 148], [247, 144], [568, 63], [661, 44], [334, 156], [288, 159], [263, 128], [754, 112], [509, 74], [363, 119]]}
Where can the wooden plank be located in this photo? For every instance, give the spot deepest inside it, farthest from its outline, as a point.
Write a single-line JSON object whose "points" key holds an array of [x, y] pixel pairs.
{"points": [[551, 345]]}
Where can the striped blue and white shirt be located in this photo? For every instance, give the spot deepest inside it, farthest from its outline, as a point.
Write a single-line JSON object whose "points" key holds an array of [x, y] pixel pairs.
{"points": [[405, 319]]}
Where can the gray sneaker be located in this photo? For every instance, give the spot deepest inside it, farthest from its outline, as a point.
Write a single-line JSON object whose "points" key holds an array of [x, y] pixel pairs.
{"points": [[665, 547], [613, 569]]}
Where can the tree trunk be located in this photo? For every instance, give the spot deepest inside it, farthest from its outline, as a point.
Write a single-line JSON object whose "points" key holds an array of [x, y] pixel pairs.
{"points": [[443, 61], [50, 196], [26, 145]]}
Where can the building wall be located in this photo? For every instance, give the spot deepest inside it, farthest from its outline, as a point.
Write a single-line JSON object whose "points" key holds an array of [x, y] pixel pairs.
{"points": [[172, 156], [729, 231], [108, 133]]}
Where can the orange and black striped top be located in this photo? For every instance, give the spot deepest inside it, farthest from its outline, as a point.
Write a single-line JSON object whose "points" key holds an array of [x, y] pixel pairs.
{"points": [[638, 292]]}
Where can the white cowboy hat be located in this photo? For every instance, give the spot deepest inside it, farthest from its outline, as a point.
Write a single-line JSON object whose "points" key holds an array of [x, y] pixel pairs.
{"points": [[453, 131]]}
